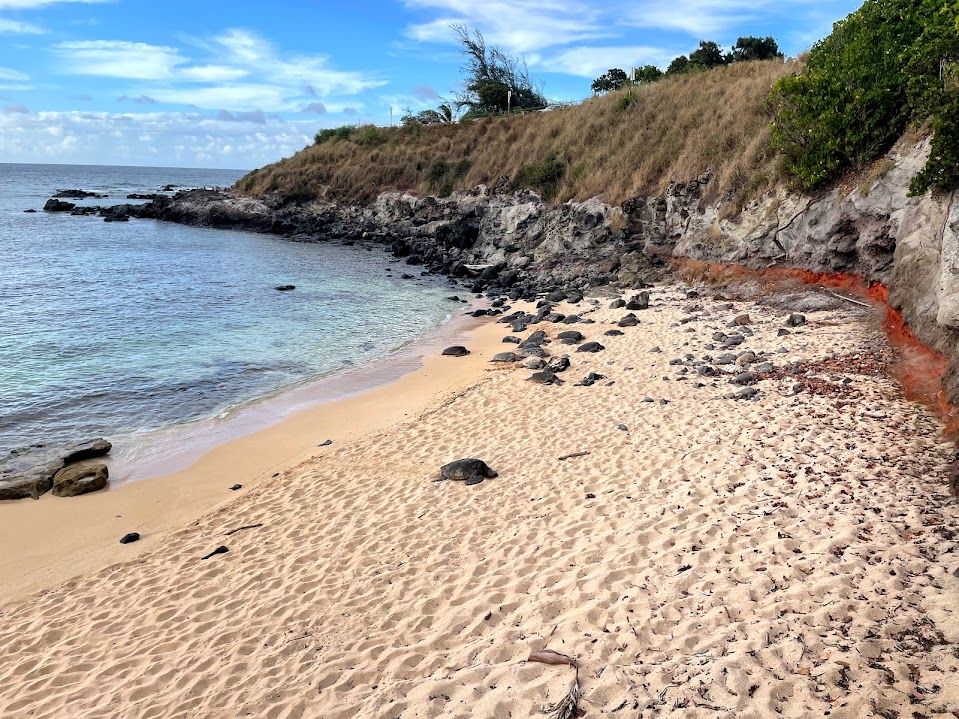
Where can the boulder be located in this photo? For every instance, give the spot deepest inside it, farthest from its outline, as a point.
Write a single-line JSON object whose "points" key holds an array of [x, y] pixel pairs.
{"points": [[617, 304], [78, 479], [91, 449], [24, 487], [58, 206], [455, 351], [638, 302], [285, 288]]}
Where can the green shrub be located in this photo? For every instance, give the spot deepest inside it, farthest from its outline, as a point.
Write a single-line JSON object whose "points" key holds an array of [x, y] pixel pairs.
{"points": [[544, 176], [369, 136], [442, 175], [344, 132], [862, 86]]}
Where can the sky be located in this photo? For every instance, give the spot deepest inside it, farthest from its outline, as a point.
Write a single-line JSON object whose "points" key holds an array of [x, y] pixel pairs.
{"points": [[240, 84]]}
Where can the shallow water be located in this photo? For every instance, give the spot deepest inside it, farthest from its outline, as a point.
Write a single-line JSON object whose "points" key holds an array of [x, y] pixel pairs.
{"points": [[128, 328]]}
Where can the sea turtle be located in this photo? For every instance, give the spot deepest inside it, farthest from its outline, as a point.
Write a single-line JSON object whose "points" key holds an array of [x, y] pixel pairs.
{"points": [[471, 471]]}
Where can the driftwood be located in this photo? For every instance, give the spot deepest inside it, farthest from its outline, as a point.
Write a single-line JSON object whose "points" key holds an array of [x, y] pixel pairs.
{"points": [[568, 706], [847, 299], [572, 456], [240, 529]]}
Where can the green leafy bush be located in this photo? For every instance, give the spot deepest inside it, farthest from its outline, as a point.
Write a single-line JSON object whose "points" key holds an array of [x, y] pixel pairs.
{"points": [[544, 176], [442, 175], [862, 86], [369, 136], [345, 132]]}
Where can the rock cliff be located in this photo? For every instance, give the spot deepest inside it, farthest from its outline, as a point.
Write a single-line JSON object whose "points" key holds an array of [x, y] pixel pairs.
{"points": [[516, 244]]}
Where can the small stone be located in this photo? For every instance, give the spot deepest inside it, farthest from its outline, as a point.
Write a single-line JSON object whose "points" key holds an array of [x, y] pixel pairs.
{"points": [[655, 350], [622, 427], [590, 495], [796, 320], [664, 402], [782, 332], [617, 304], [742, 320], [745, 358], [130, 538]]}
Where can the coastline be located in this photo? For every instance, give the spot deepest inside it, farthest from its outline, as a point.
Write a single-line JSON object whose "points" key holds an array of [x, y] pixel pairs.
{"points": [[52, 540], [779, 555]]}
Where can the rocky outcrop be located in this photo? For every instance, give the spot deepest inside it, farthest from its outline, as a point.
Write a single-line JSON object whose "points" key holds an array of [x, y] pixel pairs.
{"points": [[53, 205], [517, 245], [32, 472]]}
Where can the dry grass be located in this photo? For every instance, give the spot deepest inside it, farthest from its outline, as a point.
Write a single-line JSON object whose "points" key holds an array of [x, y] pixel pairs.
{"points": [[675, 129]]}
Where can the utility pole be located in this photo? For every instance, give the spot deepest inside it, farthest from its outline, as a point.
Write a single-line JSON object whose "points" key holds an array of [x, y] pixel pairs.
{"points": [[509, 102]]}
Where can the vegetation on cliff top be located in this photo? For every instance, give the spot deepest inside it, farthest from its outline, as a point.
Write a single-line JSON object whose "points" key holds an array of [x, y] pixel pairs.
{"points": [[618, 146]]}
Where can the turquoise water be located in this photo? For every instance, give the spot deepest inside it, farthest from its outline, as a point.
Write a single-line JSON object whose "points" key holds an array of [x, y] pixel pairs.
{"points": [[118, 328]]}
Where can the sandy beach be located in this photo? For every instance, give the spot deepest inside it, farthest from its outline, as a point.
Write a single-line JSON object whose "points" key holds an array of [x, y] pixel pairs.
{"points": [[789, 555]]}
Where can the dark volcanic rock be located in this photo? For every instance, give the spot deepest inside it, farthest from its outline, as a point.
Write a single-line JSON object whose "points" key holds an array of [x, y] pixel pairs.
{"points": [[638, 302], [285, 288], [77, 479], [91, 449], [76, 195], [617, 304], [58, 206], [455, 351], [796, 320]]}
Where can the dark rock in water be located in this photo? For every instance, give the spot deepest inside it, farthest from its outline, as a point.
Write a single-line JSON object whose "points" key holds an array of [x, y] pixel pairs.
{"points": [[78, 479], [591, 347], [742, 320], [796, 320], [479, 313], [638, 302], [617, 304], [140, 196], [453, 298], [58, 206], [236, 487], [472, 471], [558, 364], [512, 340], [130, 538], [285, 288], [455, 351], [629, 320], [30, 212], [218, 550], [573, 335], [76, 195], [545, 377], [91, 449], [614, 333], [506, 357], [327, 443]]}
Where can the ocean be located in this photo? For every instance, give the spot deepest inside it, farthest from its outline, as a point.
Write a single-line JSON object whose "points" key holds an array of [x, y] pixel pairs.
{"points": [[126, 330]]}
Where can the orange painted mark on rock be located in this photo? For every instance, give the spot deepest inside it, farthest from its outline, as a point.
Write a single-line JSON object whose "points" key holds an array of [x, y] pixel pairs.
{"points": [[917, 368]]}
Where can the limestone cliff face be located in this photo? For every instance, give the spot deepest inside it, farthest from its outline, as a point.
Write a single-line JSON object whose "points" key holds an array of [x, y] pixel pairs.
{"points": [[516, 244]]}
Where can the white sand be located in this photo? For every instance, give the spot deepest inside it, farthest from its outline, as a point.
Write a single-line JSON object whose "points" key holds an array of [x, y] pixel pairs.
{"points": [[779, 557]]}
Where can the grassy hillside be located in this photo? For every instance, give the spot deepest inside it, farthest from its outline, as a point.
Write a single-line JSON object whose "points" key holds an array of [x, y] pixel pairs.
{"points": [[616, 146]]}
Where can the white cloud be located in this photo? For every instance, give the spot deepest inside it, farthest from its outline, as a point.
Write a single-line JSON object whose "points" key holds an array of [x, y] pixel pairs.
{"points": [[116, 58], [16, 27], [181, 139], [243, 72], [15, 75], [593, 61]]}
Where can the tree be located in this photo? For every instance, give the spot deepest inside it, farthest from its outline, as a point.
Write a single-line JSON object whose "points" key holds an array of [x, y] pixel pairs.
{"points": [[755, 48], [678, 66], [709, 55], [442, 115], [613, 79], [490, 75], [646, 74]]}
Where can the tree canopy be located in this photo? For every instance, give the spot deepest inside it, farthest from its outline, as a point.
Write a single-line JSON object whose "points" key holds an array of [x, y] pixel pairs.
{"points": [[612, 79], [493, 80]]}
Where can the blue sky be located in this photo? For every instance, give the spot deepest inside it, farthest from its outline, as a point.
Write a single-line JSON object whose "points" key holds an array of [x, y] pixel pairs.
{"points": [[239, 84]]}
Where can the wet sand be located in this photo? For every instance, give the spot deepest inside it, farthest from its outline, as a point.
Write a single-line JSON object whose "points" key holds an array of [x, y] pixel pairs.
{"points": [[790, 555]]}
